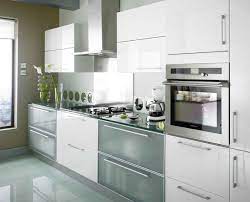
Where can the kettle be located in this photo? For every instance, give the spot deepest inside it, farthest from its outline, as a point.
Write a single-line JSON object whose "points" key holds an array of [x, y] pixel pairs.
{"points": [[156, 109]]}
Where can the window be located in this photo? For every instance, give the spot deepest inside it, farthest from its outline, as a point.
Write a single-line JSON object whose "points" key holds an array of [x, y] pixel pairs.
{"points": [[7, 45]]}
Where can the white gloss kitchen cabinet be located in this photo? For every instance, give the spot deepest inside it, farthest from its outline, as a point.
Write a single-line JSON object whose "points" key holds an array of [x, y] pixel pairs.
{"points": [[60, 45], [239, 76], [197, 31], [77, 143], [239, 176], [143, 22], [146, 55], [195, 169]]}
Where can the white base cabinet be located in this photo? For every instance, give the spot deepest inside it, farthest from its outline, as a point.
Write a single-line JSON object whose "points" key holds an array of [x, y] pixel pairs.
{"points": [[198, 164], [77, 143], [239, 176], [179, 192]]}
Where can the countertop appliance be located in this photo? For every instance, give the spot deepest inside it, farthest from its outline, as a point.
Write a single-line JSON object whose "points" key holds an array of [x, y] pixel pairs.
{"points": [[197, 100], [156, 107]]}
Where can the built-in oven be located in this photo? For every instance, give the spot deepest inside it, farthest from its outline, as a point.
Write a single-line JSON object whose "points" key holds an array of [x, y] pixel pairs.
{"points": [[197, 101]]}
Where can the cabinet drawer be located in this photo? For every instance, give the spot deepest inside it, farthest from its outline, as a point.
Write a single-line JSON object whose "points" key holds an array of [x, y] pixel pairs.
{"points": [[198, 164], [180, 192], [82, 161], [42, 143], [42, 118], [136, 146], [78, 130], [131, 182]]}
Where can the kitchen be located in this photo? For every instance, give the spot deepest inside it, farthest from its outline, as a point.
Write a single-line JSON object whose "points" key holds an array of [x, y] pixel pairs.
{"points": [[107, 100]]}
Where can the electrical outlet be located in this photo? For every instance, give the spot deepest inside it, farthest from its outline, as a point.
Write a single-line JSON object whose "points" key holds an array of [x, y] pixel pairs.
{"points": [[23, 69]]}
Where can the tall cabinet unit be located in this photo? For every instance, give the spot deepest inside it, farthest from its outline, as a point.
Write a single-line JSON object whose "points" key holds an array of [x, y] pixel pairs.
{"points": [[141, 36], [240, 53], [240, 176], [197, 31]]}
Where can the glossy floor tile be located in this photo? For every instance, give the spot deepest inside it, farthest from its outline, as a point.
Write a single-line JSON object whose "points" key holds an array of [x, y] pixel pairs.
{"points": [[27, 179]]}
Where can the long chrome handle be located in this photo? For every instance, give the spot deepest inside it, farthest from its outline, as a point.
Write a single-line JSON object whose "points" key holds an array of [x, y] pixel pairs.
{"points": [[127, 131], [44, 110], [193, 193], [195, 146], [45, 136], [193, 84], [223, 30], [234, 127], [42, 131], [235, 171], [126, 168], [74, 147]]}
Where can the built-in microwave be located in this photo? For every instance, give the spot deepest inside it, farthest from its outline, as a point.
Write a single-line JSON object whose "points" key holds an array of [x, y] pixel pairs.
{"points": [[197, 102]]}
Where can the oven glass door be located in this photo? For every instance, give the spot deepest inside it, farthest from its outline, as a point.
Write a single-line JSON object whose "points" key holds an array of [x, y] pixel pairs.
{"points": [[196, 107]]}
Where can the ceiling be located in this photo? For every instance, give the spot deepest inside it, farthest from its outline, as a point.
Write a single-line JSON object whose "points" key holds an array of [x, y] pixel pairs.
{"points": [[65, 4]]}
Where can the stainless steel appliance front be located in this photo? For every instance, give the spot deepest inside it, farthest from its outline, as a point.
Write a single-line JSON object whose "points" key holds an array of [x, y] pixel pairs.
{"points": [[197, 102]]}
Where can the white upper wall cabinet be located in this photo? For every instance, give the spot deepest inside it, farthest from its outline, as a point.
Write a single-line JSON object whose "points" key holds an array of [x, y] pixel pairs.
{"points": [[142, 22], [60, 45], [53, 39], [239, 77], [197, 26], [146, 55]]}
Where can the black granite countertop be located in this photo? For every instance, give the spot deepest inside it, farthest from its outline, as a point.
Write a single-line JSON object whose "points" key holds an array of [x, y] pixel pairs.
{"points": [[141, 122]]}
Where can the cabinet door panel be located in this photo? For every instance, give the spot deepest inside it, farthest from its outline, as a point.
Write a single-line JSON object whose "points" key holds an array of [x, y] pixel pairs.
{"points": [[53, 61], [126, 56], [197, 26], [81, 161], [53, 39], [79, 130], [151, 54], [198, 164], [180, 192], [240, 176], [68, 60], [151, 20], [68, 36], [240, 96], [126, 26]]}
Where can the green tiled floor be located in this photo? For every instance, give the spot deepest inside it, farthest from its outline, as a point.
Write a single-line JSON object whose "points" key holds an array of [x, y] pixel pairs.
{"points": [[27, 179]]}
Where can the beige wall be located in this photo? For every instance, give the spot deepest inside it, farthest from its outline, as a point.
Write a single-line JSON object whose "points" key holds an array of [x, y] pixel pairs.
{"points": [[33, 20]]}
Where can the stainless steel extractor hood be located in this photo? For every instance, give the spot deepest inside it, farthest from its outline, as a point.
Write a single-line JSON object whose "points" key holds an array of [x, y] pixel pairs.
{"points": [[102, 24]]}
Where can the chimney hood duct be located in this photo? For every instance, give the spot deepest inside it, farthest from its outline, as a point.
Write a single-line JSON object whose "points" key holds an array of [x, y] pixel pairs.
{"points": [[102, 28]]}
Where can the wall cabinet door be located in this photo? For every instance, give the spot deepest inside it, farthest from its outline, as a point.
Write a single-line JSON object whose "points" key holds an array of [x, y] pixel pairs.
{"points": [[127, 56], [240, 96], [53, 61], [147, 55], [151, 20], [197, 26], [240, 176], [126, 26], [68, 36], [53, 39], [143, 22], [68, 60], [151, 54]]}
